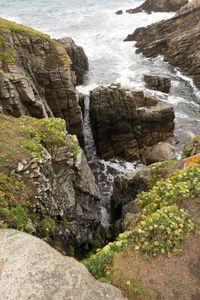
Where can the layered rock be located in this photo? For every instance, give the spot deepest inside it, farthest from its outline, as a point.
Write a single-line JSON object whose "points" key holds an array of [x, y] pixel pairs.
{"points": [[177, 39], [158, 83], [77, 55], [158, 6], [122, 128], [36, 78], [31, 269], [62, 201]]}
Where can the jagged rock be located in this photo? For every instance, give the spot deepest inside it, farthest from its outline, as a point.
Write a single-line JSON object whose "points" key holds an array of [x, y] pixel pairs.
{"points": [[191, 147], [119, 128], [177, 39], [159, 152], [37, 81], [119, 12], [77, 55], [125, 190], [31, 269], [143, 100], [158, 6], [158, 83]]}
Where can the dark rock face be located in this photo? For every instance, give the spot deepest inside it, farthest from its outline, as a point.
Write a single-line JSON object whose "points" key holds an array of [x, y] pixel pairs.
{"points": [[121, 128], [124, 197], [162, 84], [159, 6], [177, 39], [38, 82], [119, 12], [65, 191], [77, 55]]}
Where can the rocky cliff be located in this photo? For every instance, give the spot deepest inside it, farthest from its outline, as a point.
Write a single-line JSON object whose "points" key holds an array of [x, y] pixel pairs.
{"points": [[46, 185], [158, 6], [31, 269], [77, 55], [124, 122], [177, 39], [36, 78]]}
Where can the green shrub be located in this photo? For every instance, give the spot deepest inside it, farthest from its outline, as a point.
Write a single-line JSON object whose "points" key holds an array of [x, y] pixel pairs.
{"points": [[47, 226], [163, 231]]}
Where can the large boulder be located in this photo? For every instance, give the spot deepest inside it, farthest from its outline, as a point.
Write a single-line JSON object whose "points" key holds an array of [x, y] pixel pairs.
{"points": [[78, 57], [123, 126], [158, 6], [31, 269], [177, 39], [158, 152], [36, 77]]}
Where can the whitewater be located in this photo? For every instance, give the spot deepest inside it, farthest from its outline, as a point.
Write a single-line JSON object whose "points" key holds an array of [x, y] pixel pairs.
{"points": [[94, 25]]}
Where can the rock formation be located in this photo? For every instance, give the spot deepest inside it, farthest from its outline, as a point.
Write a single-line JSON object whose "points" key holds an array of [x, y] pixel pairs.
{"points": [[158, 83], [31, 269], [121, 128], [150, 6], [191, 147], [36, 78], [177, 39], [157, 153], [62, 201], [77, 55], [158, 6]]}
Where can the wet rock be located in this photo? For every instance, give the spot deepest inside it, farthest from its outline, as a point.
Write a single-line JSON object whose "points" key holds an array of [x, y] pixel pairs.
{"points": [[177, 39], [158, 6], [78, 57], [158, 83], [119, 12], [159, 152], [124, 198], [29, 267], [121, 127]]}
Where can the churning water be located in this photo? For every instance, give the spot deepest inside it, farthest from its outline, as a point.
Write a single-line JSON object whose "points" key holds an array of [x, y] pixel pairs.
{"points": [[93, 25]]}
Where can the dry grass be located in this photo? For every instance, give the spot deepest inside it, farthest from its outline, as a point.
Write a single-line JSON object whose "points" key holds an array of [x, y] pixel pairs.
{"points": [[162, 278]]}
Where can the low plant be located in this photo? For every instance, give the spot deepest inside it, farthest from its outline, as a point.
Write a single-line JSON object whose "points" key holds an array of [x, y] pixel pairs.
{"points": [[163, 231], [47, 226]]}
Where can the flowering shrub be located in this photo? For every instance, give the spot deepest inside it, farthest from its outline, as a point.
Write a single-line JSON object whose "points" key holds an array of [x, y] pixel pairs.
{"points": [[182, 184], [96, 263], [163, 231]]}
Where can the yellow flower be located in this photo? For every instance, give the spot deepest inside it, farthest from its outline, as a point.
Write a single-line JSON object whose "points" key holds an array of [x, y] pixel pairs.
{"points": [[137, 248]]}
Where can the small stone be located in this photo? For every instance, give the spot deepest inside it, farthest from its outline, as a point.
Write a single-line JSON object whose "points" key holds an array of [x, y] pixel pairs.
{"points": [[20, 167]]}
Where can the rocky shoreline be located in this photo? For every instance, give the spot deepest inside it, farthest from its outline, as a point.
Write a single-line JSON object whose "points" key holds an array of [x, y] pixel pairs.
{"points": [[47, 187]]}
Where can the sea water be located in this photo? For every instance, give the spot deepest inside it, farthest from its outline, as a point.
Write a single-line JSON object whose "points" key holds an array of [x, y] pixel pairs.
{"points": [[94, 25]]}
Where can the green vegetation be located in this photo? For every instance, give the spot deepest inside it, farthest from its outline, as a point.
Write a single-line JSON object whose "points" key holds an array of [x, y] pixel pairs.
{"points": [[162, 226], [26, 139], [180, 185], [159, 170], [47, 226], [74, 147], [162, 231]]}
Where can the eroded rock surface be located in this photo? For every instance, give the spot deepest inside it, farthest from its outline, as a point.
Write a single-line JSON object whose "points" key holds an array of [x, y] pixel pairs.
{"points": [[123, 126], [77, 55], [36, 78], [31, 269], [177, 39], [158, 6], [65, 190], [158, 83]]}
